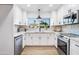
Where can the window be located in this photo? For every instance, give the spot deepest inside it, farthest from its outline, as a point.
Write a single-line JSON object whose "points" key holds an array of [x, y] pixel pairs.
{"points": [[36, 23]]}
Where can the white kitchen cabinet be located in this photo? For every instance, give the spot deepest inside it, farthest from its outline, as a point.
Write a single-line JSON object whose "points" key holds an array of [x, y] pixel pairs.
{"points": [[74, 47], [24, 39], [20, 16], [28, 39], [50, 38], [24, 18], [35, 39], [55, 40], [17, 15], [39, 39], [54, 20]]}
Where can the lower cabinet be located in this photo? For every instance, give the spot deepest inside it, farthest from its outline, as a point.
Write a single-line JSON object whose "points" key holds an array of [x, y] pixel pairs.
{"points": [[23, 40], [74, 47], [39, 39], [18, 45], [55, 40]]}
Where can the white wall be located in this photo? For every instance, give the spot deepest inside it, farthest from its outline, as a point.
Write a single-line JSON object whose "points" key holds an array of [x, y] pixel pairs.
{"points": [[6, 30], [35, 15], [63, 11]]}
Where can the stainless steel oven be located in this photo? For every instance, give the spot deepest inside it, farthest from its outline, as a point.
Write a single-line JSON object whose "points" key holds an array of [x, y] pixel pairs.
{"points": [[64, 45]]}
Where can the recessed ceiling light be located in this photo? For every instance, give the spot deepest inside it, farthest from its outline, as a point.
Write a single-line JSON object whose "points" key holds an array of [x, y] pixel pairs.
{"points": [[50, 5], [28, 5]]}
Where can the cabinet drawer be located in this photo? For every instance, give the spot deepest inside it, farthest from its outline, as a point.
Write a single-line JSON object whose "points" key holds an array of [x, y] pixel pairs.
{"points": [[74, 47]]}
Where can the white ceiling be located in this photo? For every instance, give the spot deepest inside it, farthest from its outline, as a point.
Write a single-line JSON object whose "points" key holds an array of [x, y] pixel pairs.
{"points": [[42, 7]]}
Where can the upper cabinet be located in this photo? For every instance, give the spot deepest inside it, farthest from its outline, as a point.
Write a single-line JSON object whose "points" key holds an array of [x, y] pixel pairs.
{"points": [[68, 14], [57, 18], [24, 18], [17, 15], [54, 20], [20, 16]]}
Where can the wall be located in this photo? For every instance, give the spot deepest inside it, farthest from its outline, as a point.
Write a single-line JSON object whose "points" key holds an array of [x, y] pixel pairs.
{"points": [[63, 11], [6, 30], [35, 14]]}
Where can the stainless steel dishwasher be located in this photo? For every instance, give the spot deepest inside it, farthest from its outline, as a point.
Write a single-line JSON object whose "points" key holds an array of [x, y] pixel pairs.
{"points": [[18, 44]]}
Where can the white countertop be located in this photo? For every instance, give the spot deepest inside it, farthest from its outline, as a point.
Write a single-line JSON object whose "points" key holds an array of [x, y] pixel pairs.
{"points": [[21, 33], [18, 33], [75, 39], [39, 32], [72, 36]]}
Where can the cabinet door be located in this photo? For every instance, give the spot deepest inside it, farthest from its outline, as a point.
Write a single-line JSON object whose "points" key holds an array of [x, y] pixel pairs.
{"points": [[55, 40], [36, 39], [17, 15], [24, 40], [29, 39], [32, 39], [43, 39], [39, 39], [51, 39], [74, 48], [24, 18], [56, 22]]}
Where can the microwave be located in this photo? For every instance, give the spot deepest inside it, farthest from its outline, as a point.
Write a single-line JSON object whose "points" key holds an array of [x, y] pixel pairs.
{"points": [[73, 18]]}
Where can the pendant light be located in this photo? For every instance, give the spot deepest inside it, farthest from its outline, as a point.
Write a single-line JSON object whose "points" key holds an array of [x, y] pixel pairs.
{"points": [[39, 17]]}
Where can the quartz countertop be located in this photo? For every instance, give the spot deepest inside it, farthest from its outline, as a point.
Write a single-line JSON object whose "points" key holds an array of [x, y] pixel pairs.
{"points": [[19, 33], [72, 36], [40, 32], [75, 39]]}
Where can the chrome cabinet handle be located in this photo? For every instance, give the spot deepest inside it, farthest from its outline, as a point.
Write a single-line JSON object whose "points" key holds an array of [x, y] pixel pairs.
{"points": [[76, 45]]}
